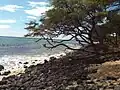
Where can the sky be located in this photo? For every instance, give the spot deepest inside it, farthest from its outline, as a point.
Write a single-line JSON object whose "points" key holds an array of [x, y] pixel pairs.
{"points": [[15, 13]]}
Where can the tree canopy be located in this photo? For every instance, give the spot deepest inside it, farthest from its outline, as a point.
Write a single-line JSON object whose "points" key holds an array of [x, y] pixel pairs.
{"points": [[85, 21]]}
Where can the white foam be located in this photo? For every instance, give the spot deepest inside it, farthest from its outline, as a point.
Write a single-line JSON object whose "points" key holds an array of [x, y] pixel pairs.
{"points": [[15, 63]]}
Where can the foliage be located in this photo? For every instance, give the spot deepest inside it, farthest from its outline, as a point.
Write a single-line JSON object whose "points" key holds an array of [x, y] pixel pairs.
{"points": [[84, 21]]}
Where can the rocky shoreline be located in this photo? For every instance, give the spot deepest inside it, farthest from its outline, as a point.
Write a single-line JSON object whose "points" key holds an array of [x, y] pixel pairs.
{"points": [[70, 72], [19, 63]]}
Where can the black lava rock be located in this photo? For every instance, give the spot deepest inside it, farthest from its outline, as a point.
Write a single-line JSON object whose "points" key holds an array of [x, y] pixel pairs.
{"points": [[6, 73], [26, 63], [1, 67]]}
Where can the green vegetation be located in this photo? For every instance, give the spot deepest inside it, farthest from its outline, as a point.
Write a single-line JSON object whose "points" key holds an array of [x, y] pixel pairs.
{"points": [[85, 21]]}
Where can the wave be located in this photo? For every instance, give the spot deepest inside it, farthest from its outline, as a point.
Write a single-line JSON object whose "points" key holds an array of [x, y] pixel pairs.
{"points": [[15, 63]]}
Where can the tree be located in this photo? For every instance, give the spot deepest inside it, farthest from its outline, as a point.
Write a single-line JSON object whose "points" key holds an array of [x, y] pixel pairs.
{"points": [[84, 21]]}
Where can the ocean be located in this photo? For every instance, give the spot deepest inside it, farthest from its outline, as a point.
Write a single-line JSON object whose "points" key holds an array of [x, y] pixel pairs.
{"points": [[15, 51], [24, 46]]}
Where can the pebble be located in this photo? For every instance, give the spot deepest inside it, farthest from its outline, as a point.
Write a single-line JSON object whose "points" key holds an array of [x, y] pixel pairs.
{"points": [[56, 76]]}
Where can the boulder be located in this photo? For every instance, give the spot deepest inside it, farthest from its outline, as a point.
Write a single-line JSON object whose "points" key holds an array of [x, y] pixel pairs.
{"points": [[6, 73], [45, 61], [111, 78], [1, 67], [3, 82], [25, 66], [26, 63], [20, 62], [117, 87], [52, 58], [79, 88], [33, 62]]}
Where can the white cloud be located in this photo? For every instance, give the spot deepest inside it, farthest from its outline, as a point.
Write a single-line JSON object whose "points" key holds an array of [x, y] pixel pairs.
{"points": [[37, 11], [31, 17], [34, 4], [10, 8], [8, 21], [11, 32], [5, 26]]}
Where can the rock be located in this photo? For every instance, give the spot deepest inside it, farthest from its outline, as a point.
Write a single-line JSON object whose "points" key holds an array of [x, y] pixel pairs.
{"points": [[101, 88], [1, 67], [117, 87], [33, 62], [72, 88], [3, 82], [52, 59], [39, 64], [32, 88], [89, 82], [49, 88], [26, 63], [21, 88], [94, 71], [79, 88], [92, 87], [102, 57], [6, 73], [110, 87], [70, 59], [79, 81], [32, 66], [107, 88], [45, 61], [58, 74], [25, 66], [20, 62], [70, 83], [10, 77], [110, 78], [95, 80]]}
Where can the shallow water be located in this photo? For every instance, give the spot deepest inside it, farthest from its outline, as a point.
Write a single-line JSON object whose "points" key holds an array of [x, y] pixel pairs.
{"points": [[23, 46], [14, 50]]}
